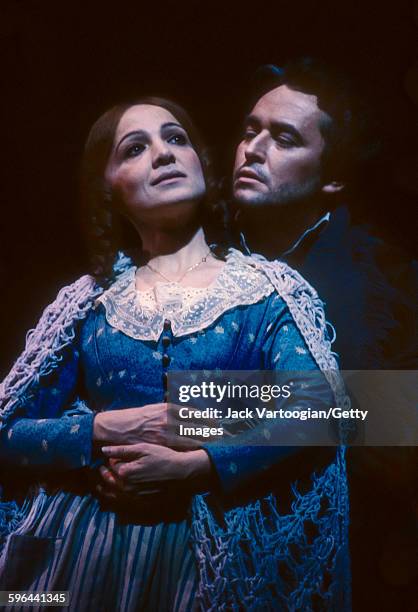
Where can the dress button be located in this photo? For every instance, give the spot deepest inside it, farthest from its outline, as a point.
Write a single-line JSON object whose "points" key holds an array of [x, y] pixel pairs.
{"points": [[166, 341], [166, 360], [167, 324]]}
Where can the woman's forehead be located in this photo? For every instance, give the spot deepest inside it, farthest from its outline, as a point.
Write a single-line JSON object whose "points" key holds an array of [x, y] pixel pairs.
{"points": [[144, 117]]}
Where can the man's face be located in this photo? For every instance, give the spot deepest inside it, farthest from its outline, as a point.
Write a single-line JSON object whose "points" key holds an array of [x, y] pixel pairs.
{"points": [[278, 160]]}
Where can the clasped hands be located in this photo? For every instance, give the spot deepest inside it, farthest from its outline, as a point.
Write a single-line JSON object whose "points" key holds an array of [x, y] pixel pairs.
{"points": [[140, 461]]}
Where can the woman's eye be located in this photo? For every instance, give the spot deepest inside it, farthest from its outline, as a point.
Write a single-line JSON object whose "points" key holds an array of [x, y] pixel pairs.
{"points": [[177, 139], [134, 150]]}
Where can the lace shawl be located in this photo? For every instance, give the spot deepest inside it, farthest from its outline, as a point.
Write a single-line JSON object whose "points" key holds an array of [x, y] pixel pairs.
{"points": [[252, 558]]}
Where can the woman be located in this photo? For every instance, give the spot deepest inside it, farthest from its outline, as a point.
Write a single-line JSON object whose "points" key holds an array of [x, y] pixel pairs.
{"points": [[93, 377]]}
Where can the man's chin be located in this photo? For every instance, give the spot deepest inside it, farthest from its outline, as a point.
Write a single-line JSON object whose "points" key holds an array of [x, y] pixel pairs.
{"points": [[249, 197]]}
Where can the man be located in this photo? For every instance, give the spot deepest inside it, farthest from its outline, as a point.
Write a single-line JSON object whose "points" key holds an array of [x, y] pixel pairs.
{"points": [[304, 140], [304, 143]]}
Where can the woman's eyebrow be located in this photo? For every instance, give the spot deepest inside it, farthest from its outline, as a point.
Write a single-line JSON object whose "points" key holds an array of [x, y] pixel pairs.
{"points": [[141, 133], [171, 124]]}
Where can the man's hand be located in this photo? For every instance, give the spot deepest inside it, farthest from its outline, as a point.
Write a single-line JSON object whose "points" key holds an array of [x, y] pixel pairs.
{"points": [[144, 424], [143, 468], [130, 425]]}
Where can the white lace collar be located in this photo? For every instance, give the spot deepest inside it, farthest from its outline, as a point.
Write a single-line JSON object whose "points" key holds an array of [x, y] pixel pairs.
{"points": [[141, 314]]}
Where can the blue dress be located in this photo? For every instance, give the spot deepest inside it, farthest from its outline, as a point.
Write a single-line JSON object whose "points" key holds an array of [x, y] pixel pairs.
{"points": [[134, 558]]}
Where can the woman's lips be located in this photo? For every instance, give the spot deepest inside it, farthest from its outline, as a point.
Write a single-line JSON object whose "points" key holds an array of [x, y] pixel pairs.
{"points": [[167, 176]]}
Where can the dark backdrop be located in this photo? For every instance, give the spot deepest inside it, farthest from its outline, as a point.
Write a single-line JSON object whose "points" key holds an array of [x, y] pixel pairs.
{"points": [[63, 64]]}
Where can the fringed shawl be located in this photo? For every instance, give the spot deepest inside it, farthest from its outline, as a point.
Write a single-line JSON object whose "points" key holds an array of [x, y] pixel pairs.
{"points": [[253, 558]]}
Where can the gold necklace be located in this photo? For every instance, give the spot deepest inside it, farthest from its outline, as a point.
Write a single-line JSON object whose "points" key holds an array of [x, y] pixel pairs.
{"points": [[203, 260]]}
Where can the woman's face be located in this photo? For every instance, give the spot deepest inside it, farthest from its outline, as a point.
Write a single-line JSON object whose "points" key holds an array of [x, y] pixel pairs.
{"points": [[153, 163]]}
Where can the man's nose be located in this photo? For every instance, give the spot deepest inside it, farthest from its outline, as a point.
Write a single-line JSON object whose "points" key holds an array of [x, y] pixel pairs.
{"points": [[255, 150], [162, 155]]}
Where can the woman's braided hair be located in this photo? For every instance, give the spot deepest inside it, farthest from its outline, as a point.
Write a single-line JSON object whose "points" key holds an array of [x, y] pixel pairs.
{"points": [[106, 231]]}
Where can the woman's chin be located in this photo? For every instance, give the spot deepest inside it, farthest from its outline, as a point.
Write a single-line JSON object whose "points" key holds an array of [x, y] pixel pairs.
{"points": [[180, 210], [173, 216]]}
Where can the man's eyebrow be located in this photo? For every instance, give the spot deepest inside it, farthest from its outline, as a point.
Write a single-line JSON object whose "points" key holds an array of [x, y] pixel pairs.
{"points": [[283, 126], [276, 126], [252, 120]]}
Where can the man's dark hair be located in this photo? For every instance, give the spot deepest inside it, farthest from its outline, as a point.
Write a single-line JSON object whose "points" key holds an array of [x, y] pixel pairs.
{"points": [[349, 130]]}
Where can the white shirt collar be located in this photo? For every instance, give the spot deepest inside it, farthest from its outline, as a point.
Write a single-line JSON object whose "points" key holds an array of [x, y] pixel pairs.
{"points": [[324, 219]]}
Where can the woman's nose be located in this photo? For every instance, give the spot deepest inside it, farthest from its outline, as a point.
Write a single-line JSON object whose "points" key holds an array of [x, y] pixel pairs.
{"points": [[162, 154], [255, 150]]}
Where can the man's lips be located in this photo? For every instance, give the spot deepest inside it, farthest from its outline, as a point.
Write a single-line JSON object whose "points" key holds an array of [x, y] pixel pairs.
{"points": [[248, 174], [165, 176]]}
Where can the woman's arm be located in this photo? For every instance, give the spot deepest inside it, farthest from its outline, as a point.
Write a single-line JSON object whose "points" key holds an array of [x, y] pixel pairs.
{"points": [[49, 429]]}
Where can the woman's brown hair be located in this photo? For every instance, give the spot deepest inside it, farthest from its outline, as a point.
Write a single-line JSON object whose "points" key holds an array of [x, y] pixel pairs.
{"points": [[106, 230]]}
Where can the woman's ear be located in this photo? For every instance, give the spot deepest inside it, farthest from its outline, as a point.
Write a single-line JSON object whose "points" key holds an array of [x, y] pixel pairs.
{"points": [[107, 195], [333, 187]]}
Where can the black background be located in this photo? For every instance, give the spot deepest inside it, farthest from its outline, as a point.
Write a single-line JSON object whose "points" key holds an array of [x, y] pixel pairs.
{"points": [[64, 63]]}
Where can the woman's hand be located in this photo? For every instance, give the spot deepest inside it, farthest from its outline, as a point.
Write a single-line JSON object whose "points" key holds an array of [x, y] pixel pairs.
{"points": [[112, 488], [144, 468]]}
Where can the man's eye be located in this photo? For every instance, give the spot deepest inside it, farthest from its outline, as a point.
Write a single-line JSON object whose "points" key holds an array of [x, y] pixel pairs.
{"points": [[249, 134], [134, 150], [177, 139], [285, 141]]}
